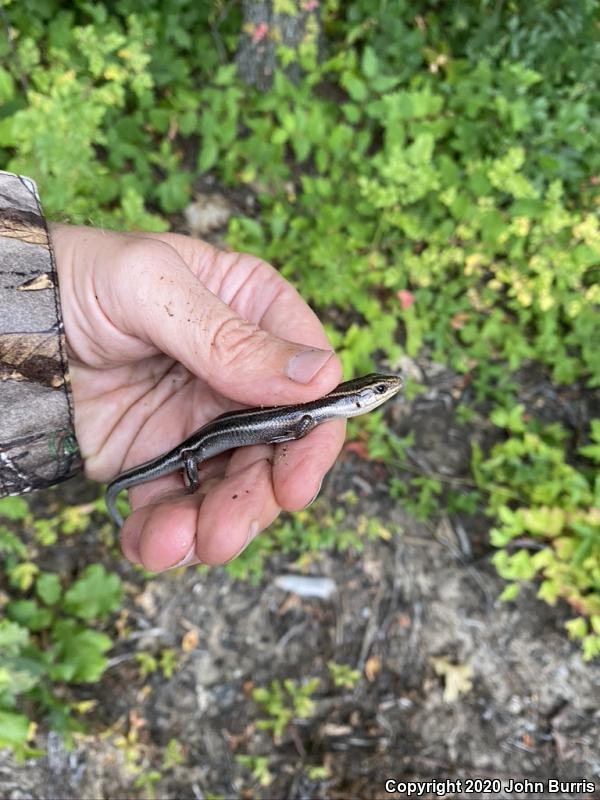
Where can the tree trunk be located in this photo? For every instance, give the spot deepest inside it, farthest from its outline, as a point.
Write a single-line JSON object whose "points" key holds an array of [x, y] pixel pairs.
{"points": [[269, 24]]}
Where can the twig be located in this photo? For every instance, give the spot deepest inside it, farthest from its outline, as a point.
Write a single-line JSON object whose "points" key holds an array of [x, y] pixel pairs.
{"points": [[474, 573], [152, 632], [297, 741], [116, 660], [371, 629], [289, 634], [463, 541]]}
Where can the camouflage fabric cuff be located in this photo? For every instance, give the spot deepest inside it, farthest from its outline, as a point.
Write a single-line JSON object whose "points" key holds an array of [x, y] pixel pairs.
{"points": [[37, 437]]}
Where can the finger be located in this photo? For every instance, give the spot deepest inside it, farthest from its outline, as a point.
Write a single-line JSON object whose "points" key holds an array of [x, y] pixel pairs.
{"points": [[299, 467], [221, 518], [163, 532], [165, 491], [238, 508], [230, 506], [161, 301]]}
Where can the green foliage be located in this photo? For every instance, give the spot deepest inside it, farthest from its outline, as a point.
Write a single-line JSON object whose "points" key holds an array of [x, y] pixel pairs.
{"points": [[548, 519], [147, 781], [419, 496], [342, 675], [449, 201], [166, 662], [174, 755], [95, 595], [382, 444], [119, 86], [13, 508], [147, 664], [283, 702], [258, 766], [135, 755], [78, 652], [305, 535], [43, 643], [499, 266], [14, 729], [464, 199]]}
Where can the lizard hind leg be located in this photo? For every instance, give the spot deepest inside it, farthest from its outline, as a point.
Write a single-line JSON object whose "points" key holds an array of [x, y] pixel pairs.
{"points": [[190, 470]]}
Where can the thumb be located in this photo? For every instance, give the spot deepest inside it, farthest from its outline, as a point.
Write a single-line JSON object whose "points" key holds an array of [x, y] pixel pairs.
{"points": [[179, 315]]}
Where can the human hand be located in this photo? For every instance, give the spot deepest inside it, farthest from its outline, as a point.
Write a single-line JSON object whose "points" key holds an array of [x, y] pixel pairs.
{"points": [[164, 333]]}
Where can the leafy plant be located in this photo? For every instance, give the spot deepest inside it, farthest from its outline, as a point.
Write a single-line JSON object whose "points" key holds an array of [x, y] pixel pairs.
{"points": [[43, 643], [258, 766], [283, 702], [548, 522], [306, 534], [148, 663], [342, 675], [419, 496]]}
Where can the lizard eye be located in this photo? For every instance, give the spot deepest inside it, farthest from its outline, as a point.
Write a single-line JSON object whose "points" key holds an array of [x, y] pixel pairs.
{"points": [[380, 388]]}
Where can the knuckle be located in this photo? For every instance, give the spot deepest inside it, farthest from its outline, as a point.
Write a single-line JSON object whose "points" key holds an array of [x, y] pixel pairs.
{"points": [[140, 255], [234, 340]]}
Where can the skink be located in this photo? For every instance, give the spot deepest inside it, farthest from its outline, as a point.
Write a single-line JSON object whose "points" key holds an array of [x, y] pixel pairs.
{"points": [[256, 426]]}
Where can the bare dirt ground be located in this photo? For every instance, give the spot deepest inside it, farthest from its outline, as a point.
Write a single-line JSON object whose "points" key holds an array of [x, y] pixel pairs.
{"points": [[454, 684]]}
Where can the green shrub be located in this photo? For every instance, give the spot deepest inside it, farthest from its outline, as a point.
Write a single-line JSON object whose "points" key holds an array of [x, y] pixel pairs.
{"points": [[547, 518], [47, 638]]}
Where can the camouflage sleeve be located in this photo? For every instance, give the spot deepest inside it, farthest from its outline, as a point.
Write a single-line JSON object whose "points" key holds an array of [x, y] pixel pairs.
{"points": [[37, 438]]}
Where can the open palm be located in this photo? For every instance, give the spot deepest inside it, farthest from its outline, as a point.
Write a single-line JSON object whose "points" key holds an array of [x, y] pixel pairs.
{"points": [[164, 333]]}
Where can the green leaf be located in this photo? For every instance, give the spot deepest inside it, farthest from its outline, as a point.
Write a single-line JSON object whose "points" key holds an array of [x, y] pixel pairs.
{"points": [[95, 595], [549, 591], [22, 575], [17, 676], [512, 418], [13, 508], [590, 646], [14, 729], [576, 628], [225, 75], [370, 63], [174, 192], [12, 637], [209, 152], [591, 451], [285, 7], [77, 653], [7, 86], [510, 592], [173, 755], [351, 112], [29, 614], [544, 521], [48, 588], [188, 122], [11, 544], [356, 88]]}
